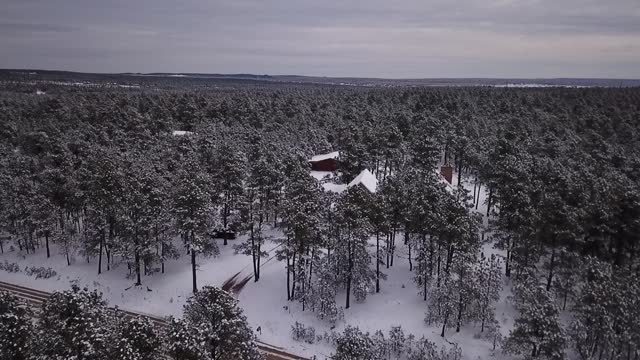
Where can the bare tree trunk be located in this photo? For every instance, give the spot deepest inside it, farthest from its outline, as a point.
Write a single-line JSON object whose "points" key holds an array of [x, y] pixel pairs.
{"points": [[551, 266], [439, 261], [193, 270], [507, 262], [377, 261], [293, 278], [460, 301], [408, 242], [46, 239], [288, 272], [137, 260], [162, 255], [489, 198], [253, 254], [444, 324], [393, 245], [102, 235], [225, 216], [475, 185], [349, 251], [288, 279], [388, 249], [460, 170]]}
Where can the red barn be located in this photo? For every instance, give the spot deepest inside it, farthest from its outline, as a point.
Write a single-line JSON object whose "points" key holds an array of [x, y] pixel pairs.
{"points": [[325, 162], [447, 172]]}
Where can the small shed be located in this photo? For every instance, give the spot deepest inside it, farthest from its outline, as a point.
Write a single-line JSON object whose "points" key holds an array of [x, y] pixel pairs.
{"points": [[365, 179], [447, 172], [325, 162]]}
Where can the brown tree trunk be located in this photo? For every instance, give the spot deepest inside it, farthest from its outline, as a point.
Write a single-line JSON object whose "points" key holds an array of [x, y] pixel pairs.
{"points": [[350, 259], [193, 270], [377, 261], [46, 239], [551, 266], [102, 235]]}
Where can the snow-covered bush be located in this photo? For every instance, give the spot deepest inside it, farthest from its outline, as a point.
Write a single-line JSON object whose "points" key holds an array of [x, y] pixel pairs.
{"points": [[452, 353], [40, 272], [352, 344], [397, 340], [330, 338], [10, 267], [423, 349], [15, 328], [380, 346], [299, 332]]}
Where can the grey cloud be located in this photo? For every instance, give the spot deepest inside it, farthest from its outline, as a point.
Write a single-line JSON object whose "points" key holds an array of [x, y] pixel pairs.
{"points": [[24, 27], [409, 38]]}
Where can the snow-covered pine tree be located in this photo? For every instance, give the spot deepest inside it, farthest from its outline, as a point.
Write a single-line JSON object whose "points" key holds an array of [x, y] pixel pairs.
{"points": [[397, 341], [227, 335], [192, 207], [396, 198], [136, 226], [537, 331], [105, 185], [136, 339], [263, 183], [74, 324], [424, 349], [606, 313], [322, 294], [489, 284], [381, 348], [423, 219], [302, 209], [229, 169], [185, 341], [352, 256], [16, 328], [352, 344]]}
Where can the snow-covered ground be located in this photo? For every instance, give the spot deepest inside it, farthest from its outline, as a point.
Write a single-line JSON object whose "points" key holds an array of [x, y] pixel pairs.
{"points": [[264, 302]]}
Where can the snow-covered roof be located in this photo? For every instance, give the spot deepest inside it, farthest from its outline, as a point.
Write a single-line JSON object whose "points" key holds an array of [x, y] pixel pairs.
{"points": [[333, 187], [367, 179], [181, 133], [331, 155]]}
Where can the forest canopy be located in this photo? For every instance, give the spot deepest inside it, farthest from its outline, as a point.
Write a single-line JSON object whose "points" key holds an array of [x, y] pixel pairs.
{"points": [[96, 168]]}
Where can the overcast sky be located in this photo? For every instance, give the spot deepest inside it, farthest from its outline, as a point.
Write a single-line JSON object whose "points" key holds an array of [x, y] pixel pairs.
{"points": [[369, 38]]}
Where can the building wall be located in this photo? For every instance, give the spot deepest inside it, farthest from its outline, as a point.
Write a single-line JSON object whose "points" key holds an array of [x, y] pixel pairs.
{"points": [[447, 172], [324, 165]]}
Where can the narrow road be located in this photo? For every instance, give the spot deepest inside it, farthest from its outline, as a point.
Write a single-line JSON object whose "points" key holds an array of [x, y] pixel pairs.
{"points": [[35, 298]]}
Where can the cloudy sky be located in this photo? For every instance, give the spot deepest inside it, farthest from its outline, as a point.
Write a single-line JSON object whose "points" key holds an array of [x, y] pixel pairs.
{"points": [[369, 38]]}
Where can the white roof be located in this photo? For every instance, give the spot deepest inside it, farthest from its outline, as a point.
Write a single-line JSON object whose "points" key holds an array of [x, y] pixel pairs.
{"points": [[333, 187], [181, 133], [367, 179], [331, 155]]}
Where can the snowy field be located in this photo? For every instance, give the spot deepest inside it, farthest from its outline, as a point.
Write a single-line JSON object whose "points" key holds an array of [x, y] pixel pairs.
{"points": [[264, 302]]}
